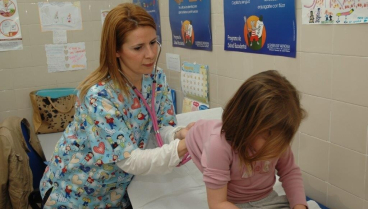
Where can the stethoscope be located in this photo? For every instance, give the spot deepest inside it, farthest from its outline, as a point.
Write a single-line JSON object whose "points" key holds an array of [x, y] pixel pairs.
{"points": [[151, 110]]}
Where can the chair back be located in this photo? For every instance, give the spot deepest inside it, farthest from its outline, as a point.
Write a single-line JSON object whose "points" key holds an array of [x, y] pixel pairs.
{"points": [[35, 161], [173, 96]]}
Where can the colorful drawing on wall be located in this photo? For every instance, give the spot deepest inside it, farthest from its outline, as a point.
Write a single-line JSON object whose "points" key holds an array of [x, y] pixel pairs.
{"points": [[10, 32], [7, 8], [60, 16], [9, 28], [152, 7], [262, 27], [334, 11], [188, 18]]}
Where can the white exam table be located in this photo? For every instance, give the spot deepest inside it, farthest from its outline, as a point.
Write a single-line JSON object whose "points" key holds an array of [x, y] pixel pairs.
{"points": [[184, 187], [181, 189]]}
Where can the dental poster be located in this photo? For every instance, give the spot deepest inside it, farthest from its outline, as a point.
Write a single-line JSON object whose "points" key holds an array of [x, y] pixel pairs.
{"points": [[152, 8], [190, 23], [10, 33], [194, 81], [60, 16], [334, 11], [66, 57], [260, 26]]}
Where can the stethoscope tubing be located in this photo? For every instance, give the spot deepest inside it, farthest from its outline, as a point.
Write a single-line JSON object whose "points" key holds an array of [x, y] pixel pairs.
{"points": [[151, 110]]}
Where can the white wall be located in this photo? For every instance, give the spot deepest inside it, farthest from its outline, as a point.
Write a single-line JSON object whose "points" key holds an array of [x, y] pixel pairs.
{"points": [[331, 72]]}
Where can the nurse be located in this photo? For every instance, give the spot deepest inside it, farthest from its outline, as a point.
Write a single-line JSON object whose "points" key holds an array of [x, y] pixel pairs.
{"points": [[118, 106]]}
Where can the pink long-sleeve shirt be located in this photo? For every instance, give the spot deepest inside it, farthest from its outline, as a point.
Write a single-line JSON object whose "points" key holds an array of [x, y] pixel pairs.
{"points": [[220, 165]]}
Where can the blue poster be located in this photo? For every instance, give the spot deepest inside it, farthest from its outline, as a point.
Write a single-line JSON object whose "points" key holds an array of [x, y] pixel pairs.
{"points": [[190, 22], [260, 26], [152, 7]]}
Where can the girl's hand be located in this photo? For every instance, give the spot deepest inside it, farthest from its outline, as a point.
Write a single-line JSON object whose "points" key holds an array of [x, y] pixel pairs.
{"points": [[182, 148], [183, 132]]}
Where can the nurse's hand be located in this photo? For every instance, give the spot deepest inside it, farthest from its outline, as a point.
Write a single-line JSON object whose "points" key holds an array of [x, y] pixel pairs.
{"points": [[183, 132], [182, 148], [300, 207]]}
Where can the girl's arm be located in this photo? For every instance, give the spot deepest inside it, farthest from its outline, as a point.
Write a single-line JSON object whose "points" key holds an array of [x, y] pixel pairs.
{"points": [[217, 199], [291, 178]]}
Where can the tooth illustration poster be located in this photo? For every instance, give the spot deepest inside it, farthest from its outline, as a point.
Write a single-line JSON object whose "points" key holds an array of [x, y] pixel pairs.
{"points": [[334, 11], [60, 16], [190, 22], [260, 26], [10, 34]]}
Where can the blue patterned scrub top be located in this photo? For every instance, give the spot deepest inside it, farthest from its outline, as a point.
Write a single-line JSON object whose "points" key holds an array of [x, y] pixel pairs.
{"points": [[107, 127]]}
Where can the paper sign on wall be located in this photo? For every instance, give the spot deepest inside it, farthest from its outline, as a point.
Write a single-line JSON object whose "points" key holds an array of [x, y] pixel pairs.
{"points": [[60, 16], [173, 62], [194, 81], [59, 37], [10, 34], [103, 15], [190, 105], [66, 57]]}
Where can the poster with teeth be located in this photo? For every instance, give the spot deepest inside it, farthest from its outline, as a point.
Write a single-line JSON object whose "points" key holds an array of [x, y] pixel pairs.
{"points": [[190, 23], [194, 81], [260, 27], [10, 34], [66, 57]]}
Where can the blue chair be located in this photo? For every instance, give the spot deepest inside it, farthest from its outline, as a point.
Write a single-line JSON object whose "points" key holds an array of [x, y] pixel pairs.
{"points": [[38, 167], [173, 96]]}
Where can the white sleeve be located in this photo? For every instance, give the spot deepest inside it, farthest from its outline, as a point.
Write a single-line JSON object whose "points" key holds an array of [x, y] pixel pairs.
{"points": [[160, 160], [168, 133]]}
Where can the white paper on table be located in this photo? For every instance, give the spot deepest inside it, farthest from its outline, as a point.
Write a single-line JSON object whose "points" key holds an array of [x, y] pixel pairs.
{"points": [[59, 37], [173, 62]]}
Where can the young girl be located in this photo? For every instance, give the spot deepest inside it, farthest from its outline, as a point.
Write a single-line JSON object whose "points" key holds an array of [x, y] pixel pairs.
{"points": [[238, 156]]}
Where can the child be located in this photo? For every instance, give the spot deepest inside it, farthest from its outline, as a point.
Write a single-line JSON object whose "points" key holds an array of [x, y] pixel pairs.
{"points": [[238, 156]]}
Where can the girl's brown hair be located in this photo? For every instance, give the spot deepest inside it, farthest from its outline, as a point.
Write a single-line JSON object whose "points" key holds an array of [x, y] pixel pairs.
{"points": [[118, 23], [265, 103]]}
